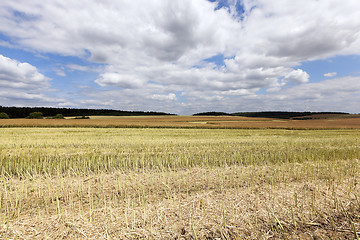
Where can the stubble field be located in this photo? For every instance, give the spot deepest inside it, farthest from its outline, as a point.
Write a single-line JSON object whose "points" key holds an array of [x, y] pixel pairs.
{"points": [[223, 122], [179, 183]]}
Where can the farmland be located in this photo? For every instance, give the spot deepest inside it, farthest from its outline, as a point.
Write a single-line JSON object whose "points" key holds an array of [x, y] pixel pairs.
{"points": [[179, 178], [232, 122]]}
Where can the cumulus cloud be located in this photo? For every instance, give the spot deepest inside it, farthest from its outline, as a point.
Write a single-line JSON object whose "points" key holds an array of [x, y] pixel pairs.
{"points": [[119, 79], [297, 76], [155, 48], [22, 84], [14, 74]]}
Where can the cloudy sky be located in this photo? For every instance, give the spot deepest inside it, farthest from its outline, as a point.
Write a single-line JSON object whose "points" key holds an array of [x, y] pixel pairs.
{"points": [[181, 56]]}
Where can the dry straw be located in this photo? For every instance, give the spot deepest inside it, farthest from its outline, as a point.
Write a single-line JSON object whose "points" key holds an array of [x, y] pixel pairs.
{"points": [[173, 183]]}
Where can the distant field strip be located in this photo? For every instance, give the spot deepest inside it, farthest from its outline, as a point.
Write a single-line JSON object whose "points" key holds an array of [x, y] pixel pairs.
{"points": [[186, 122]]}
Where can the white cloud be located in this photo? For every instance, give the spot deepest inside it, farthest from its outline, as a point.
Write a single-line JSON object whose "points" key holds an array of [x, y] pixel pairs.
{"points": [[297, 76], [170, 96], [330, 74], [14, 74], [340, 94], [21, 84], [20, 95], [94, 103], [154, 48], [119, 79], [78, 67], [60, 72], [82, 68]]}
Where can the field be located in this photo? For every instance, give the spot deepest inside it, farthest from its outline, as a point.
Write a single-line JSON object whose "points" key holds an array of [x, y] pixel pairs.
{"points": [[156, 178], [188, 122]]}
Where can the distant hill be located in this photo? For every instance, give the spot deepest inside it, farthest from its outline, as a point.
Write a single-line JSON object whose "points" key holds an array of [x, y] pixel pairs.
{"points": [[277, 114], [22, 112]]}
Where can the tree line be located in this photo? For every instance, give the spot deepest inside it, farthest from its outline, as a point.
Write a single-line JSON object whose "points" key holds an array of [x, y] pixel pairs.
{"points": [[269, 114], [23, 112]]}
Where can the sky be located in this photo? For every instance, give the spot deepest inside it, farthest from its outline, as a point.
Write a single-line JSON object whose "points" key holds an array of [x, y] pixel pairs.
{"points": [[181, 56]]}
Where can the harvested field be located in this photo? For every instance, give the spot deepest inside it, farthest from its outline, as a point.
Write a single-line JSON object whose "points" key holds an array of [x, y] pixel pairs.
{"points": [[148, 183], [186, 122]]}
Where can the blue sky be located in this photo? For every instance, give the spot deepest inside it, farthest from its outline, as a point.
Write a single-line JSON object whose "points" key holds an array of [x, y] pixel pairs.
{"points": [[181, 56]]}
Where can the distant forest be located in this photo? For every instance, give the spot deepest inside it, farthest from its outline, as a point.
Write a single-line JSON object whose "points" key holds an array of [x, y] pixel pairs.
{"points": [[270, 114], [23, 112]]}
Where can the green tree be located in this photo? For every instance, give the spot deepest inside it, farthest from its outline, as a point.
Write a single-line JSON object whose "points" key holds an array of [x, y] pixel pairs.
{"points": [[58, 116], [4, 115], [35, 115]]}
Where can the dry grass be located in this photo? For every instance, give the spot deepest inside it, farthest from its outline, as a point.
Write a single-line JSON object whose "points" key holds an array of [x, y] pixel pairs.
{"points": [[185, 122], [226, 203], [113, 183]]}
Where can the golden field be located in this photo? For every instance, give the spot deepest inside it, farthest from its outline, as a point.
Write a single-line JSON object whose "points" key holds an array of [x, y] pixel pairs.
{"points": [[186, 122], [99, 180]]}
